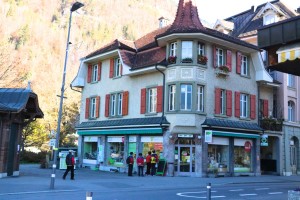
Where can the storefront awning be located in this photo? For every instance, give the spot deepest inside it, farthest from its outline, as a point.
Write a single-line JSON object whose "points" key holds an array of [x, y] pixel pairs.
{"points": [[235, 134], [121, 131]]}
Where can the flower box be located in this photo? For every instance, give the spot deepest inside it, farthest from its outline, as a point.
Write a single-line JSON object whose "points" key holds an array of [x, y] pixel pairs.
{"points": [[172, 59], [202, 59], [187, 60]]}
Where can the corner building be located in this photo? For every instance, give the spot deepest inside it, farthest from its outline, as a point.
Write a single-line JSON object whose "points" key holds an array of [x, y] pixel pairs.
{"points": [[185, 90]]}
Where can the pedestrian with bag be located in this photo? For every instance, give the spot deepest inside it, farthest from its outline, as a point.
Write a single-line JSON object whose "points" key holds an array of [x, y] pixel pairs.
{"points": [[140, 163], [154, 160], [130, 162], [148, 163], [70, 162]]}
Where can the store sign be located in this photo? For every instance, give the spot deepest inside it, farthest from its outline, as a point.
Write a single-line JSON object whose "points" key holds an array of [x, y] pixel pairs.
{"points": [[185, 135], [247, 146], [264, 140], [208, 136]]}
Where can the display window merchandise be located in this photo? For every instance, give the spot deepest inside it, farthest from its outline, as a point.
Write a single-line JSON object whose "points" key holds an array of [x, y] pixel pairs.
{"points": [[218, 155], [242, 155], [150, 143], [115, 150], [90, 148]]}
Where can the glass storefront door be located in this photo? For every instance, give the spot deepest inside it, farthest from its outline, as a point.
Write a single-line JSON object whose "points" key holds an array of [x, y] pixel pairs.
{"points": [[184, 160]]}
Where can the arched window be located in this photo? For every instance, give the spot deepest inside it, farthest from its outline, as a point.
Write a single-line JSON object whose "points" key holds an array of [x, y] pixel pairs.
{"points": [[291, 111]]}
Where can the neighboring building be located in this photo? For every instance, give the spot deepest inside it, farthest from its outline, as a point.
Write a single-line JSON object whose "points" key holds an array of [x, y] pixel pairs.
{"points": [[189, 92], [18, 107], [274, 114], [282, 43]]}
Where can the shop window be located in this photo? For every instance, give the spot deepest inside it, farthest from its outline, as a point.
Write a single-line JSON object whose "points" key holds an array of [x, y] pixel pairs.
{"points": [[90, 150], [242, 156], [115, 150], [152, 143], [218, 158]]}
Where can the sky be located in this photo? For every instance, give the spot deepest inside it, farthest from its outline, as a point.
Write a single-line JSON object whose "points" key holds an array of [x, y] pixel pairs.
{"points": [[211, 10]]}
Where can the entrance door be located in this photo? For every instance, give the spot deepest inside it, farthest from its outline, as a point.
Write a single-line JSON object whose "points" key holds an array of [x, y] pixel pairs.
{"points": [[184, 160], [294, 159]]}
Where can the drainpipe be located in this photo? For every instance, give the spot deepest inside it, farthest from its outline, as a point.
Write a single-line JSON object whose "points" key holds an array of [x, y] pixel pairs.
{"points": [[163, 91]]}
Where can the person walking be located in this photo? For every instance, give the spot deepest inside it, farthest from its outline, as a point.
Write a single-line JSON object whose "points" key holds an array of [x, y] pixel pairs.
{"points": [[130, 162], [148, 163], [70, 161], [154, 160], [140, 163]]}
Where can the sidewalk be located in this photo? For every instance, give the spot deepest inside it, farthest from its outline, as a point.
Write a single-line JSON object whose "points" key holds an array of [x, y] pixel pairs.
{"points": [[34, 179]]}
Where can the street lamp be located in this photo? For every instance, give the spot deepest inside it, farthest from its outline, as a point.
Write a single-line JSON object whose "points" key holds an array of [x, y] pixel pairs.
{"points": [[74, 7]]}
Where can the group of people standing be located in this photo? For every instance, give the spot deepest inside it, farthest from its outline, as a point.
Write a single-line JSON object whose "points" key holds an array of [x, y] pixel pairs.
{"points": [[151, 161]]}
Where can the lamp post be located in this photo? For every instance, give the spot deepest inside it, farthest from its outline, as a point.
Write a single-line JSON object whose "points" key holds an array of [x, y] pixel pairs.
{"points": [[74, 7]]}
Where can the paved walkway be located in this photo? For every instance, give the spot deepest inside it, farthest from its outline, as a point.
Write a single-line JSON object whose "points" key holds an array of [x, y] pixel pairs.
{"points": [[33, 179]]}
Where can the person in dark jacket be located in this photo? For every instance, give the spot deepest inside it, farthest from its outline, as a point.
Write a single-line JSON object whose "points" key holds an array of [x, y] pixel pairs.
{"points": [[130, 162], [70, 161], [140, 164], [148, 163]]}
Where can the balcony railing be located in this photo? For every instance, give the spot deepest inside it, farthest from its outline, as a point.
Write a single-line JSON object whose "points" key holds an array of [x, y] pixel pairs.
{"points": [[271, 124]]}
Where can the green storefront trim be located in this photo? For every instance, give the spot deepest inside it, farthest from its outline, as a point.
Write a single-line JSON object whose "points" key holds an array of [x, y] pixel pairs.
{"points": [[121, 131], [233, 134]]}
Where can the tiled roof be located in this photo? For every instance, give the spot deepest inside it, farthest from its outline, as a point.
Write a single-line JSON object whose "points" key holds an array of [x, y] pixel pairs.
{"points": [[223, 123], [17, 99], [141, 122]]}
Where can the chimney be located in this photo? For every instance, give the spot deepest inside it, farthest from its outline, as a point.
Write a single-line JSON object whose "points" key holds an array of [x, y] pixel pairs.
{"points": [[163, 22]]}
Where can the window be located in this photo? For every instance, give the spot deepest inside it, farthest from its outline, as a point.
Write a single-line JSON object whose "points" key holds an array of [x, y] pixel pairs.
{"points": [[220, 57], [244, 106], [200, 98], [93, 103], [290, 80], [173, 48], [172, 92], [116, 104], [269, 19], [291, 111], [187, 49], [223, 102], [152, 100], [117, 67], [244, 66], [185, 97], [95, 73], [201, 49]]}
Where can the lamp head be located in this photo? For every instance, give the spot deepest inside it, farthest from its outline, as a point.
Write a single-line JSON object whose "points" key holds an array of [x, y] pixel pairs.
{"points": [[76, 6]]}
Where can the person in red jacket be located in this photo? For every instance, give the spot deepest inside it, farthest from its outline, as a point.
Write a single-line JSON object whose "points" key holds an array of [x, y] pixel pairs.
{"points": [[148, 162], [140, 164], [70, 161]]}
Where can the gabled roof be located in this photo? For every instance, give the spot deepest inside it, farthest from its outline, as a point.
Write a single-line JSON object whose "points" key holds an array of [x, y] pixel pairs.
{"points": [[245, 21], [18, 99]]}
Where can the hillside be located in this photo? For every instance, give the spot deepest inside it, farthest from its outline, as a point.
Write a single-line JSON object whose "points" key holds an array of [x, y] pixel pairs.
{"points": [[34, 34]]}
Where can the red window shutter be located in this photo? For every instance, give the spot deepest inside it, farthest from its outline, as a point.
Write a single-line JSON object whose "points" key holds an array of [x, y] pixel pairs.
{"points": [[89, 75], [228, 102], [97, 106], [217, 101], [111, 68], [159, 99], [214, 57], [125, 103], [265, 108], [87, 108], [252, 106], [229, 59], [143, 101], [237, 104], [238, 62], [99, 70], [107, 101]]}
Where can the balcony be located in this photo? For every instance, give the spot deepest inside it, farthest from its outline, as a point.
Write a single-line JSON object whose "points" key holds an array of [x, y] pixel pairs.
{"points": [[271, 124]]}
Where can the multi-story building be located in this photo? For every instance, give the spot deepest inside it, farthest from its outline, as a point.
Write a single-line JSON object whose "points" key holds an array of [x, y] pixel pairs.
{"points": [[281, 118], [187, 91]]}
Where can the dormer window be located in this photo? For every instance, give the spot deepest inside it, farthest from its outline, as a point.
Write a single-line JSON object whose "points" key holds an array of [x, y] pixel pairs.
{"points": [[269, 19], [187, 49]]}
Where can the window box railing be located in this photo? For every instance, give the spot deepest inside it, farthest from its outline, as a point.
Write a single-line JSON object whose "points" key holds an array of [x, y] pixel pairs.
{"points": [[172, 59], [271, 124], [187, 60], [222, 71]]}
